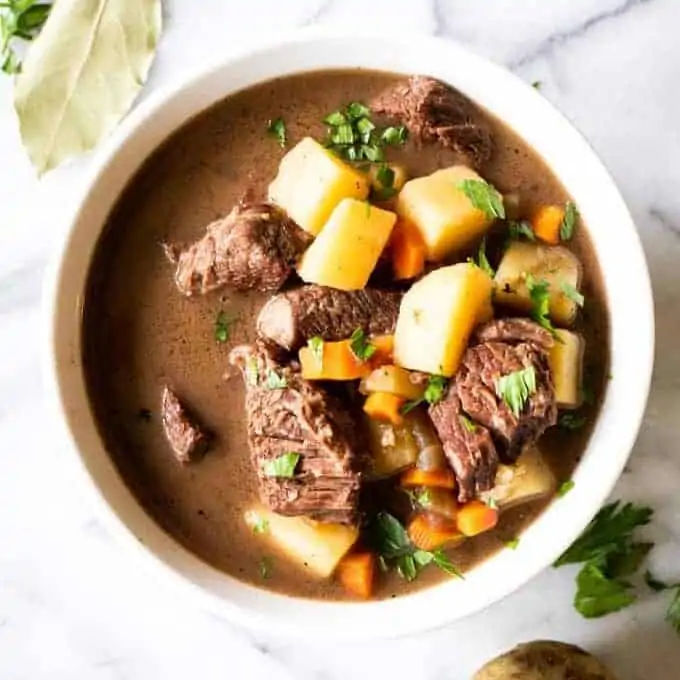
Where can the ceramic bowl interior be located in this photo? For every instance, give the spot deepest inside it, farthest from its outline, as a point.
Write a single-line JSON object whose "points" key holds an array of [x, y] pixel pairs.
{"points": [[627, 288]]}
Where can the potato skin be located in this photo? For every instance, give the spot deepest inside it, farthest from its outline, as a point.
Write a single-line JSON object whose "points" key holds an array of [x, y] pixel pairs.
{"points": [[545, 660]]}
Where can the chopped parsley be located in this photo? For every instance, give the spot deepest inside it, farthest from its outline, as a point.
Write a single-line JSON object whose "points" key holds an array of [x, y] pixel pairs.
{"points": [[385, 178], [539, 293], [435, 391], [565, 488], [516, 388], [519, 229], [277, 129], [394, 136], [274, 381], [483, 196], [282, 466], [423, 498], [491, 502], [512, 544], [360, 346], [571, 421], [315, 345], [572, 293], [568, 226], [265, 567], [598, 595], [223, 327], [256, 522], [467, 423]]}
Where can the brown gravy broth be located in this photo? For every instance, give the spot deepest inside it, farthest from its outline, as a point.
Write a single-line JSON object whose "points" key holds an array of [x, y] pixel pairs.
{"points": [[139, 331]]}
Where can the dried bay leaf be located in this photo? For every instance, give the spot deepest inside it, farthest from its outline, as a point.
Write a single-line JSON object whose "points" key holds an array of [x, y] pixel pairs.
{"points": [[82, 74]]}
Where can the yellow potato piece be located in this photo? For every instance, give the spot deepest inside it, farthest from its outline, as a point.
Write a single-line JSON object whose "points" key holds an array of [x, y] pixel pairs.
{"points": [[317, 545], [346, 251], [395, 380], [437, 316], [312, 181], [554, 264], [566, 360], [442, 213]]}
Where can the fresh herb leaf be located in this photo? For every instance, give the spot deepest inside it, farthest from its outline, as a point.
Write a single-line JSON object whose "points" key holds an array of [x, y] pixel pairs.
{"points": [[627, 561], [252, 371], [19, 20], [364, 127], [444, 563], [390, 536], [537, 84], [315, 345], [423, 498], [539, 292], [467, 423], [519, 229], [483, 196], [385, 176], [357, 110], [265, 567], [274, 381], [512, 543], [565, 488], [491, 502], [598, 595], [282, 466], [360, 346], [343, 135], [609, 532], [436, 388], [256, 522], [334, 119], [277, 129], [572, 293], [223, 327], [423, 557], [571, 421], [656, 585], [483, 260], [395, 136], [406, 567], [516, 388], [568, 226], [673, 611]]}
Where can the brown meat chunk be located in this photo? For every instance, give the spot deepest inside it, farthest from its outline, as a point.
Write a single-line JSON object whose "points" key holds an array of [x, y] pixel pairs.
{"points": [[186, 438], [289, 319], [304, 418], [515, 329], [468, 447], [255, 246], [435, 112]]}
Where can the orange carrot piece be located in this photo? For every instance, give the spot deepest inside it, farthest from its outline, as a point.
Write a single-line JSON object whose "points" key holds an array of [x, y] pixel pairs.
{"points": [[475, 518], [356, 573], [546, 222], [384, 349], [427, 533], [442, 479], [408, 251], [385, 406], [337, 362]]}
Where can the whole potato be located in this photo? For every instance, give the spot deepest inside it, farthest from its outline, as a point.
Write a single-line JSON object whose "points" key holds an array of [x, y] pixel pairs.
{"points": [[544, 660]]}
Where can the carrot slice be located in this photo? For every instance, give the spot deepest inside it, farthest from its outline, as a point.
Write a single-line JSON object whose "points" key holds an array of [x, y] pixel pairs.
{"points": [[336, 362], [546, 222], [427, 533], [476, 517], [408, 251], [384, 349], [385, 406], [356, 573], [442, 479]]}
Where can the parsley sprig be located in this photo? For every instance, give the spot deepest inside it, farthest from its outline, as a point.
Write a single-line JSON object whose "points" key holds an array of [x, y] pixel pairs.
{"points": [[282, 466], [360, 345], [19, 20], [435, 391], [277, 129], [516, 388], [484, 197]]}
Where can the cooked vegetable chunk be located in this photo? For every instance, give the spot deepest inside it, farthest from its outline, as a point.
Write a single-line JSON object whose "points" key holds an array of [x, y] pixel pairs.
{"points": [[475, 518], [393, 448], [407, 250], [566, 359], [428, 532], [528, 479], [385, 406], [316, 545], [442, 213], [346, 251], [395, 380], [546, 222], [557, 266], [312, 181], [356, 572], [437, 316]]}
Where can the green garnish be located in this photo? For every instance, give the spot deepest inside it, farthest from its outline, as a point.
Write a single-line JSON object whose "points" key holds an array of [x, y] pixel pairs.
{"points": [[518, 229], [277, 129], [395, 136], [265, 567], [568, 225], [343, 134], [334, 119], [315, 345], [491, 502], [571, 421], [598, 595], [282, 466], [565, 488], [572, 293], [673, 611], [434, 392], [516, 388], [467, 423], [256, 522], [360, 346], [223, 327], [483, 260], [512, 543], [252, 371], [274, 381], [19, 20], [357, 110], [385, 178], [483, 196], [423, 498], [537, 84], [539, 292]]}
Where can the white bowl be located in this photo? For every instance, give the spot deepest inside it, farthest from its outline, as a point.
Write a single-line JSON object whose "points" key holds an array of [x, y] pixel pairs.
{"points": [[627, 288]]}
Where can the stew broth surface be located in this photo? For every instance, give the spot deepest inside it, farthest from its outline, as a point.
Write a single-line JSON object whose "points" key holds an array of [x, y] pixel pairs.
{"points": [[139, 332]]}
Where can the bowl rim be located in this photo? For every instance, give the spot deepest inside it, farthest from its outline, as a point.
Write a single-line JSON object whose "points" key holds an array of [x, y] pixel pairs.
{"points": [[288, 616]]}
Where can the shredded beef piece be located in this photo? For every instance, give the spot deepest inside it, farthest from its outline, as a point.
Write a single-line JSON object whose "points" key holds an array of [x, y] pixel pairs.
{"points": [[186, 438]]}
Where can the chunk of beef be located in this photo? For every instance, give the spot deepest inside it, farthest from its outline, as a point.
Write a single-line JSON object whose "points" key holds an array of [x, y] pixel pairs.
{"points": [[435, 112], [481, 367], [255, 246], [513, 330], [289, 319], [304, 418], [468, 446], [186, 438]]}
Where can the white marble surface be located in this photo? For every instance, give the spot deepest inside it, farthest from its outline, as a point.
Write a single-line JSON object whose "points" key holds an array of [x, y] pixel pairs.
{"points": [[73, 606]]}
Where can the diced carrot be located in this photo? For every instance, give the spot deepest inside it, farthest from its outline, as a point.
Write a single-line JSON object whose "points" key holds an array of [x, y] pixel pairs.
{"points": [[546, 222], [385, 406], [384, 349], [428, 533], [356, 572], [476, 517], [442, 479], [408, 251], [337, 362]]}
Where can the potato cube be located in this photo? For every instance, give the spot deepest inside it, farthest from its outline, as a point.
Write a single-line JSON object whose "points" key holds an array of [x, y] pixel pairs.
{"points": [[566, 360], [316, 545], [437, 316], [442, 213], [312, 181], [346, 251], [556, 265]]}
